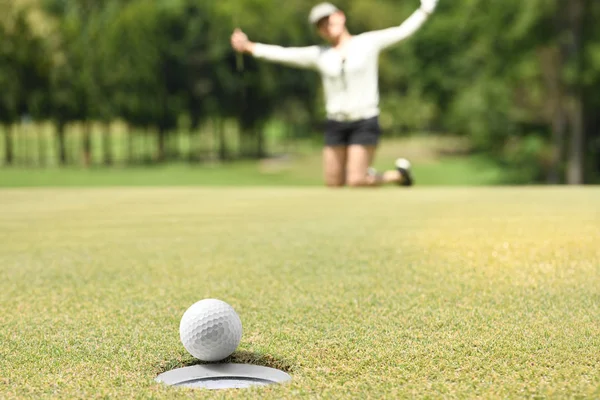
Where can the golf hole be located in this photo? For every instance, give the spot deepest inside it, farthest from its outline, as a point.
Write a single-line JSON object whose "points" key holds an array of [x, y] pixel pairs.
{"points": [[223, 376]]}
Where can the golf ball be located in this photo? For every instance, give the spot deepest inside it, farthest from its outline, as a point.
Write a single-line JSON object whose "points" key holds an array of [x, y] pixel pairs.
{"points": [[210, 330]]}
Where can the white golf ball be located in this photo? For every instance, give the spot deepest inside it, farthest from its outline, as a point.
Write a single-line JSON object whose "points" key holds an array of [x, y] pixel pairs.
{"points": [[210, 330]]}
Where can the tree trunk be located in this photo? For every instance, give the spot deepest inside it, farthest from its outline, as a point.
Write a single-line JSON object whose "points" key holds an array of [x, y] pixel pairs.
{"points": [[107, 145], [8, 145], [160, 154], [195, 135], [62, 148], [148, 145], [176, 148], [87, 144], [559, 126], [551, 63], [576, 159], [591, 119], [190, 145], [130, 152], [25, 144], [260, 142], [41, 147], [219, 127], [16, 144], [575, 10], [246, 140]]}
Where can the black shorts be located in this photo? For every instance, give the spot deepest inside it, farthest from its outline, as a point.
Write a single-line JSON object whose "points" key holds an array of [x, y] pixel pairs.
{"points": [[364, 132]]}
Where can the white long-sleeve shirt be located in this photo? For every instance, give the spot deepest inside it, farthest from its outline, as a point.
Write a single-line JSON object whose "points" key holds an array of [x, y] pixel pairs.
{"points": [[350, 79]]}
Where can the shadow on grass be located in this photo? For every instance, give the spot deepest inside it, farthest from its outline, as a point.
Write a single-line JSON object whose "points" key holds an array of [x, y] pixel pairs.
{"points": [[239, 357]]}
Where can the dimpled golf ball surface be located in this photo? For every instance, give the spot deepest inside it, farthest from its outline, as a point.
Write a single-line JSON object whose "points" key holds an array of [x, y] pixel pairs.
{"points": [[210, 330]]}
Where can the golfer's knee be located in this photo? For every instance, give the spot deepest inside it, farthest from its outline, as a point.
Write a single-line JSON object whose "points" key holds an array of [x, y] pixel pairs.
{"points": [[357, 181]]}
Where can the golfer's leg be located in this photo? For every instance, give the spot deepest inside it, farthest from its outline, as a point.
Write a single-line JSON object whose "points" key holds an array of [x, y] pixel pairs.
{"points": [[359, 160], [360, 157], [334, 165], [363, 141]]}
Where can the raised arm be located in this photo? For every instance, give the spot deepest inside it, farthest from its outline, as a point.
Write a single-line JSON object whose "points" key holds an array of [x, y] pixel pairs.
{"points": [[387, 37], [301, 57]]}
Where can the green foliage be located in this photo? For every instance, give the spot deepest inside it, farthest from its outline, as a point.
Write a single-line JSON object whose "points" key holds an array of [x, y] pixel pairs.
{"points": [[23, 66], [496, 72]]}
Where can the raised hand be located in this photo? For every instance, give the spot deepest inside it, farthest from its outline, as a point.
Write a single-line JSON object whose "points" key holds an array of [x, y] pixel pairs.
{"points": [[240, 42], [428, 5]]}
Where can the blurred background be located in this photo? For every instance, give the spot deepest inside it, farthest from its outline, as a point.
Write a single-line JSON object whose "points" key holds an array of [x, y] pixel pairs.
{"points": [[487, 92]]}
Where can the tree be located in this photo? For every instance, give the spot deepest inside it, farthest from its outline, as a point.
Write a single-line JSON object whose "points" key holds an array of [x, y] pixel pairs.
{"points": [[23, 67]]}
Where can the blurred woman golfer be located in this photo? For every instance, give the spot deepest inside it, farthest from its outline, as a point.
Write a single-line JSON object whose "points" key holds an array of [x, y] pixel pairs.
{"points": [[349, 73]]}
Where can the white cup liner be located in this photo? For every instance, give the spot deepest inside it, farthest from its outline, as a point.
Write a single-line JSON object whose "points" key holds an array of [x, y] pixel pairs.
{"points": [[223, 376]]}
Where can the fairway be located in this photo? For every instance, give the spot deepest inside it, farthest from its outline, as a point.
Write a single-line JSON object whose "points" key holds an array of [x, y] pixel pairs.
{"points": [[426, 292]]}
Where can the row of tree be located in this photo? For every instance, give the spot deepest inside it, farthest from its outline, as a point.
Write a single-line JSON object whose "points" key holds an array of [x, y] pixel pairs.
{"points": [[519, 78]]}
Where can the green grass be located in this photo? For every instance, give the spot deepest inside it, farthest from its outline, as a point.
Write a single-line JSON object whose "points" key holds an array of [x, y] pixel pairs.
{"points": [[426, 292], [302, 168]]}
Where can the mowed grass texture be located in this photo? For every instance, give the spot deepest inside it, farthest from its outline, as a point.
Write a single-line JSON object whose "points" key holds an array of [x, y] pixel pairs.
{"points": [[436, 293]]}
